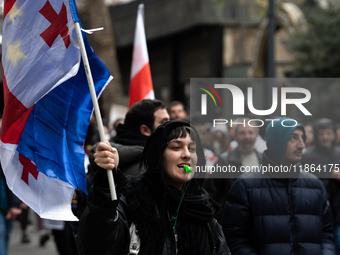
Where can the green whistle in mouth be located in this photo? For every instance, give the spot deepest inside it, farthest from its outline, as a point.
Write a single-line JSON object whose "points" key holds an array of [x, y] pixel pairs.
{"points": [[187, 169]]}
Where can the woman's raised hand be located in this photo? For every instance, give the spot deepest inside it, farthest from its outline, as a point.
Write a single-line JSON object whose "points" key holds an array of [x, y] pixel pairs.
{"points": [[106, 156]]}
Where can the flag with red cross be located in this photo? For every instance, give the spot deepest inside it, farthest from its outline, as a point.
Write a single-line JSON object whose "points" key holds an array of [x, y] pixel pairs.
{"points": [[47, 104]]}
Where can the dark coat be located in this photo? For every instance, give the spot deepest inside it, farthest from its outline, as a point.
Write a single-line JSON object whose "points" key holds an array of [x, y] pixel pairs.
{"points": [[278, 216], [129, 158], [148, 202], [130, 147], [104, 227]]}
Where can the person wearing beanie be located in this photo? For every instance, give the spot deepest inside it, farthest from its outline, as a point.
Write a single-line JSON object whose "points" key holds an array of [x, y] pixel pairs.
{"points": [[276, 212], [323, 155], [164, 211]]}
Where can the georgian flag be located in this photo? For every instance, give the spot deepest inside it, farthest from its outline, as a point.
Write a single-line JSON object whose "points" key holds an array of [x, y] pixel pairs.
{"points": [[47, 104]]}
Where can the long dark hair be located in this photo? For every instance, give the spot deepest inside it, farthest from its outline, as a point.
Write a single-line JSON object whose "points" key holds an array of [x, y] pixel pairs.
{"points": [[151, 200], [157, 142]]}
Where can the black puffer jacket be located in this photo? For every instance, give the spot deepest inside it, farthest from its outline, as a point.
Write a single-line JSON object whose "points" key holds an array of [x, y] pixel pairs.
{"points": [[278, 216]]}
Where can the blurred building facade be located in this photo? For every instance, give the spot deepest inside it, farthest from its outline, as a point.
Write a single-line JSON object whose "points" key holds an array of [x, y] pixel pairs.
{"points": [[200, 38]]}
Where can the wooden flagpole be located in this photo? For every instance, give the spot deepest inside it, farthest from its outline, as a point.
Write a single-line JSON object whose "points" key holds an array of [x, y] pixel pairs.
{"points": [[95, 104]]}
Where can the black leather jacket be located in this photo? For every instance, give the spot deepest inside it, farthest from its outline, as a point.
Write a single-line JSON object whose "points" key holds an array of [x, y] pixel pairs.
{"points": [[105, 228]]}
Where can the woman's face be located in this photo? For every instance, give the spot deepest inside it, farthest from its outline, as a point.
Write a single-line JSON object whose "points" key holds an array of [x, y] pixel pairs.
{"points": [[179, 152]]}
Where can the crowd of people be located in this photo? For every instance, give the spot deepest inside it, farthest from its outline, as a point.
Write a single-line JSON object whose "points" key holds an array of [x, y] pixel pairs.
{"points": [[164, 206]]}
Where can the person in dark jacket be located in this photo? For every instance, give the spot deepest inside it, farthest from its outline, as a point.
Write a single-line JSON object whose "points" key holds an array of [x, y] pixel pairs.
{"points": [[325, 155], [278, 213], [140, 121], [165, 211]]}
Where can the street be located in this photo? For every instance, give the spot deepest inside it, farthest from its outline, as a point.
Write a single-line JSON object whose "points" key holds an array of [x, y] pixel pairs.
{"points": [[18, 248]]}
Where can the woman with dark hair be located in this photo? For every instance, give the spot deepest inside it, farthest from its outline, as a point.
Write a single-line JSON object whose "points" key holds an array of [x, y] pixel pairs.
{"points": [[165, 211]]}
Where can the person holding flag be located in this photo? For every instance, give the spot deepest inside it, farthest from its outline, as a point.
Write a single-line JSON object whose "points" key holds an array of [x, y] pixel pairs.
{"points": [[165, 211], [47, 103], [140, 121]]}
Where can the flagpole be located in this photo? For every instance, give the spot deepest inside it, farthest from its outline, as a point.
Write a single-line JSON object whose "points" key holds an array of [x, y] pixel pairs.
{"points": [[95, 104]]}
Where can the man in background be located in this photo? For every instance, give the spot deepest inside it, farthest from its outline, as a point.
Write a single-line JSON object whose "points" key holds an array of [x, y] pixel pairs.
{"points": [[243, 155], [277, 212], [140, 121], [176, 111]]}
